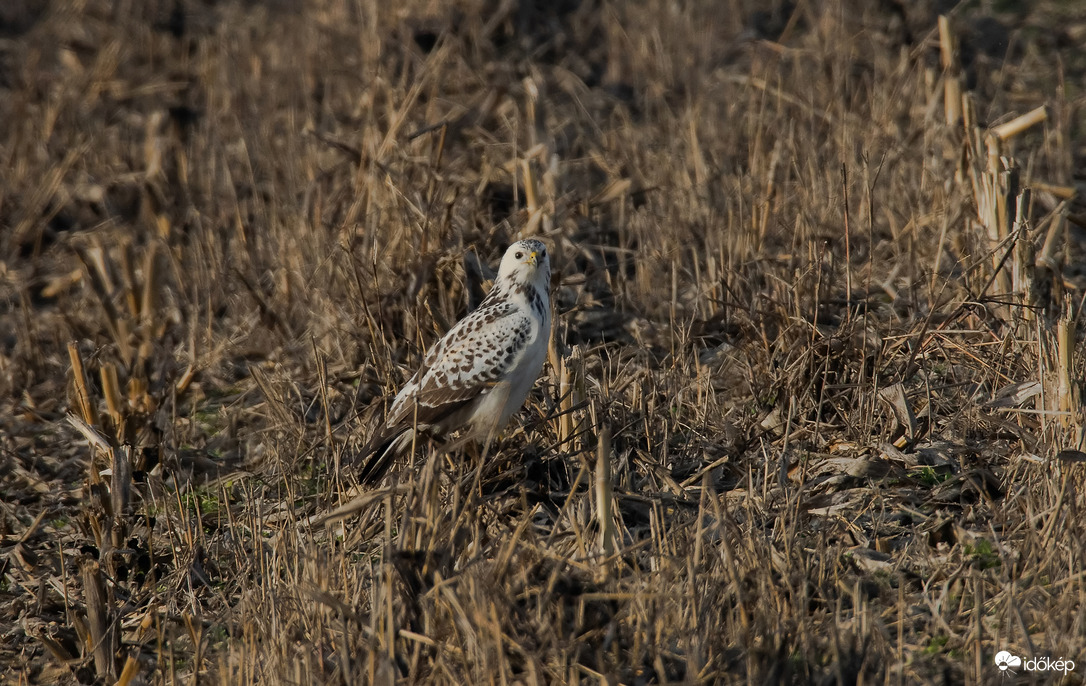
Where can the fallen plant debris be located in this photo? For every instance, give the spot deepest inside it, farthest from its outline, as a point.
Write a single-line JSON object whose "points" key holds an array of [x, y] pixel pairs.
{"points": [[813, 407]]}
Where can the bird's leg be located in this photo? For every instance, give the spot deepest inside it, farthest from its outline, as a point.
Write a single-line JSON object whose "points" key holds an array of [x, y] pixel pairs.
{"points": [[477, 485], [471, 460], [488, 439], [427, 481], [466, 449]]}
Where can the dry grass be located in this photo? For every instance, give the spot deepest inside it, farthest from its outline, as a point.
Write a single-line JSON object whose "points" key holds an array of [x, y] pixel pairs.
{"points": [[814, 401]]}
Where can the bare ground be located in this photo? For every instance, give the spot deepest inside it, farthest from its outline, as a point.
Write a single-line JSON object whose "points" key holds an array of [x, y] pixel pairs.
{"points": [[813, 412]]}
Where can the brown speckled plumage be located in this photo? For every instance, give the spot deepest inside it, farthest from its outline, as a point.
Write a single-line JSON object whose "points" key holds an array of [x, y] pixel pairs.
{"points": [[480, 372]]}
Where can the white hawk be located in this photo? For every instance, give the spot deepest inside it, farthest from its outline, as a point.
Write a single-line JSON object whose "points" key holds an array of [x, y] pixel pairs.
{"points": [[480, 372]]}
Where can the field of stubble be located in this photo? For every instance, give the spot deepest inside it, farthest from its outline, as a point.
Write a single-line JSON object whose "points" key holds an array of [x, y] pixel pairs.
{"points": [[813, 409]]}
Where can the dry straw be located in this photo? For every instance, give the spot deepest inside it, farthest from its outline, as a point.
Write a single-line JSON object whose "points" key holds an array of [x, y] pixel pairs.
{"points": [[813, 407]]}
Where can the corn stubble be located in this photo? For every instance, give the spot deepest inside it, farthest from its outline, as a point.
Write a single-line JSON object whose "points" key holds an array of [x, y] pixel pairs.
{"points": [[813, 407]]}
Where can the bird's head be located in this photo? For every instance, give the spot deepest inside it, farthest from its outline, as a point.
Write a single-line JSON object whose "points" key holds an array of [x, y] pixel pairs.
{"points": [[527, 263]]}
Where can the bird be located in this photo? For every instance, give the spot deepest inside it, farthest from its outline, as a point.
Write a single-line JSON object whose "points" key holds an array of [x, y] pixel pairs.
{"points": [[480, 372]]}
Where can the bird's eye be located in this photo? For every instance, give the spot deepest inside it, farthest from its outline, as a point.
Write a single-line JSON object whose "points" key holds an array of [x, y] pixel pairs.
{"points": [[519, 255]]}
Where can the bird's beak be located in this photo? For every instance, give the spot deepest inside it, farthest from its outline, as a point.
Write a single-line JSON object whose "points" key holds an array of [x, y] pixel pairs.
{"points": [[532, 259]]}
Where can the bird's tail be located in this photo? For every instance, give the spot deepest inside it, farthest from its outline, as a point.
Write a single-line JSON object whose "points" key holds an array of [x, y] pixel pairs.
{"points": [[379, 454]]}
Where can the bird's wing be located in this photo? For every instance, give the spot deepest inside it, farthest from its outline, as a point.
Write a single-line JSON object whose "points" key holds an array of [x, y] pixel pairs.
{"points": [[469, 361]]}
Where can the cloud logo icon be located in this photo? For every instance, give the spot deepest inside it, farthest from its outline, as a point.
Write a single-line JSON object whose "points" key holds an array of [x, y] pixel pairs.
{"points": [[1004, 660]]}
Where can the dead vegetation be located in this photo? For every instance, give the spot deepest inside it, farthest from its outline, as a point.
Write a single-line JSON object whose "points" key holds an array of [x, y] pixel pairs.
{"points": [[814, 406]]}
